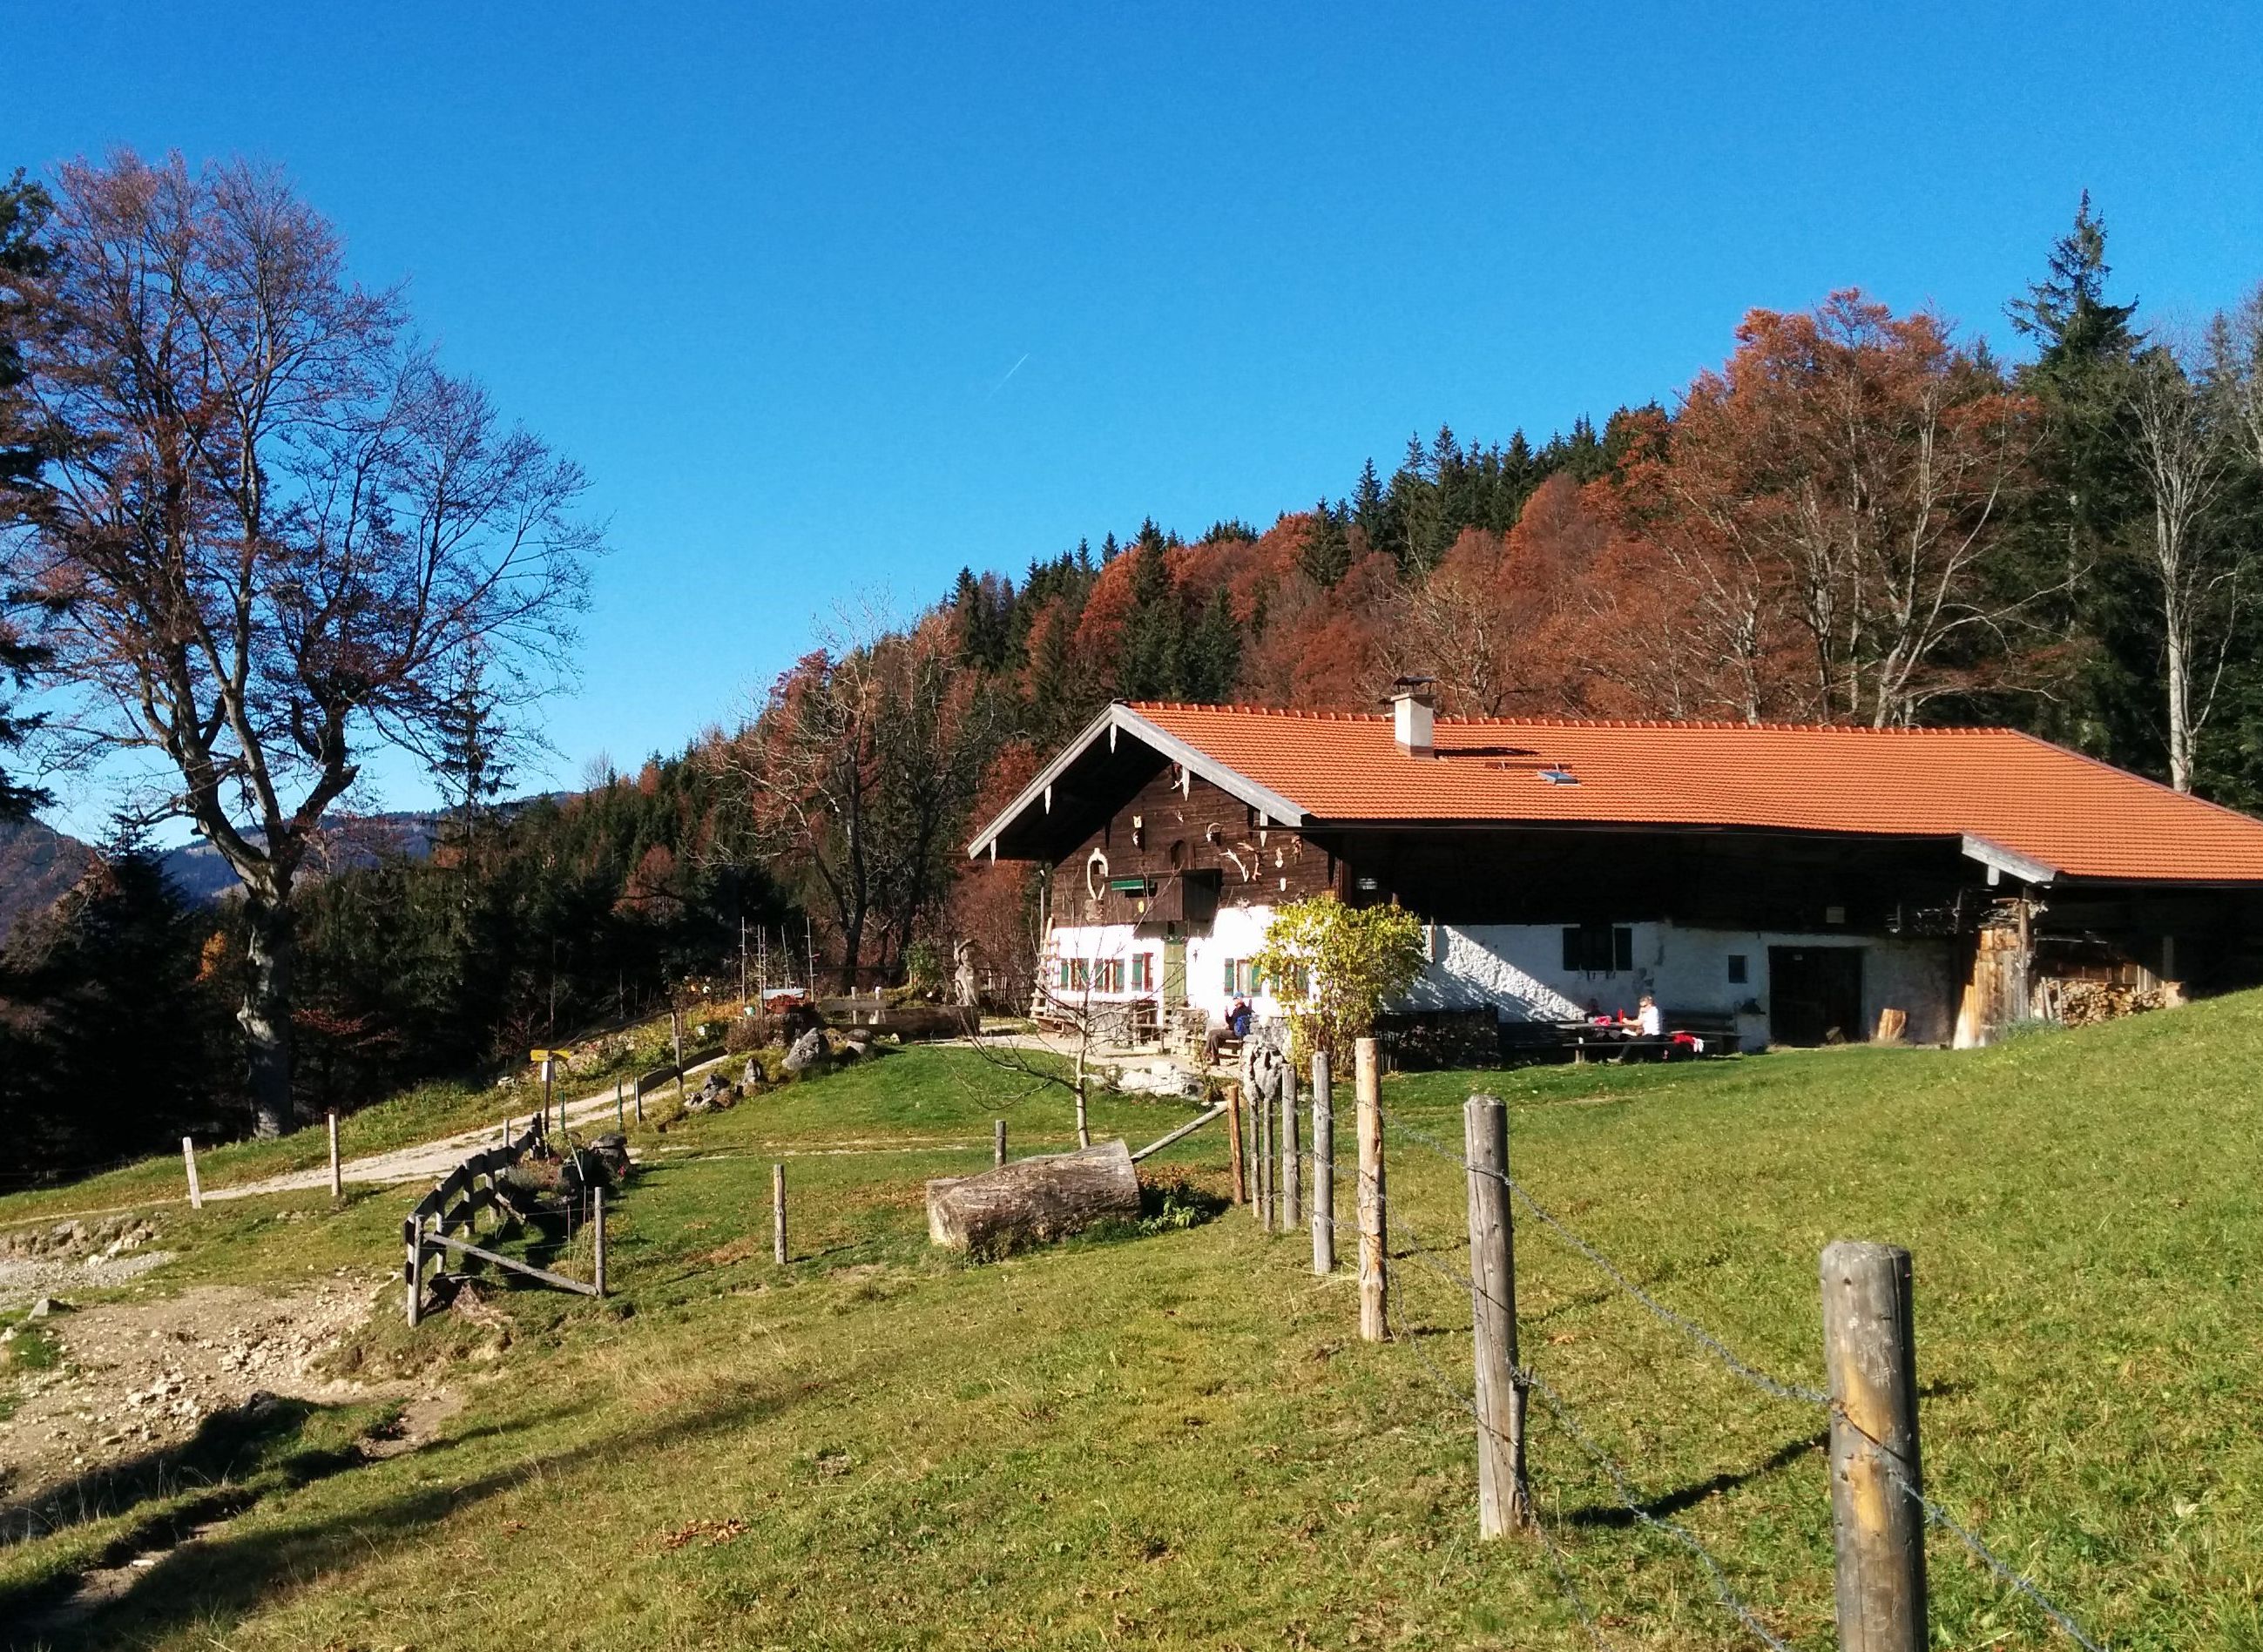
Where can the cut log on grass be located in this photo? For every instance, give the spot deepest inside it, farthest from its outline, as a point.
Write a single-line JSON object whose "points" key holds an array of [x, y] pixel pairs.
{"points": [[1033, 1199]]}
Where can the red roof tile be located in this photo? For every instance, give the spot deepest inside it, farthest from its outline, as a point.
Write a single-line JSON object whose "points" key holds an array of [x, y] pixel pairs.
{"points": [[2038, 800]]}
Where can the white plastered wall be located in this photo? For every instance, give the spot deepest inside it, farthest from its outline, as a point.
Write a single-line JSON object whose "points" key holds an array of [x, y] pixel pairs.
{"points": [[1518, 970], [1237, 932]]}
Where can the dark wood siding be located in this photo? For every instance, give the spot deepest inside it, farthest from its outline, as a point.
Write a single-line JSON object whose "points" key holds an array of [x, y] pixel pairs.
{"points": [[1602, 875], [1164, 833]]}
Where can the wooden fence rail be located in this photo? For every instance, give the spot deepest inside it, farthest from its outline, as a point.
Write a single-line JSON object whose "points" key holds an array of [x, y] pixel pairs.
{"points": [[455, 1202]]}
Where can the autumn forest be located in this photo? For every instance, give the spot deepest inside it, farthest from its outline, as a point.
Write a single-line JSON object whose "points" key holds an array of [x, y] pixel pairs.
{"points": [[1860, 516]]}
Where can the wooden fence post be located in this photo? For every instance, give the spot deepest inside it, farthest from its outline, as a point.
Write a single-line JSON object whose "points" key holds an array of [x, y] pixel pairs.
{"points": [[549, 1074], [337, 1170], [1292, 1170], [620, 1107], [1233, 1139], [1324, 1169], [1502, 1504], [414, 1269], [998, 1144], [778, 1214], [598, 1217], [1264, 1122], [1374, 1321], [189, 1157], [1878, 1525]]}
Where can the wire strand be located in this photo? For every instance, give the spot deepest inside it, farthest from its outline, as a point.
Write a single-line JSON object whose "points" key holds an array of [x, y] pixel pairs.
{"points": [[1630, 1500]]}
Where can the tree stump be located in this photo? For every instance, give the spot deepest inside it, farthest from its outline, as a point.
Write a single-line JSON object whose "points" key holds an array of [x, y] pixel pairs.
{"points": [[1031, 1200]]}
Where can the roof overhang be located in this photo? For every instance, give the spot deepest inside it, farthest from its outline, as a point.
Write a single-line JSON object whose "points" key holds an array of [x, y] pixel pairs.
{"points": [[1099, 740], [2002, 863]]}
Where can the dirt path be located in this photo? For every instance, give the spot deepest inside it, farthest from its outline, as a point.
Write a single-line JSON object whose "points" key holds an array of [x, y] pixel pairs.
{"points": [[137, 1375], [427, 1161]]}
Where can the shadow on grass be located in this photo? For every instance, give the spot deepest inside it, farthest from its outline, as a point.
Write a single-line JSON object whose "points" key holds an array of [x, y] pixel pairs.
{"points": [[261, 1433], [1674, 1502], [227, 1574]]}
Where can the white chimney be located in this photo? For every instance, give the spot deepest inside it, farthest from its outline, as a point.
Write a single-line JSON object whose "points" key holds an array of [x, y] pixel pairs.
{"points": [[1411, 701]]}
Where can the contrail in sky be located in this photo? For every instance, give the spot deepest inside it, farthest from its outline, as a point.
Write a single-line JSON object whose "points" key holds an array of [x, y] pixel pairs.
{"points": [[1010, 372]]}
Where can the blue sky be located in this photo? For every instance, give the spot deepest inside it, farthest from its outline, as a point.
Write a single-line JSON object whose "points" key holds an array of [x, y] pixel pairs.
{"points": [[767, 273]]}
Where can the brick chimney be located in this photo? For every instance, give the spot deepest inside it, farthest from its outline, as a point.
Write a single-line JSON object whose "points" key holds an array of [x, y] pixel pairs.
{"points": [[1413, 703]]}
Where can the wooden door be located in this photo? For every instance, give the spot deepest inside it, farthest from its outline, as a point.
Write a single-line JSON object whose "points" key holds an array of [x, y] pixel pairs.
{"points": [[1815, 995], [1174, 969]]}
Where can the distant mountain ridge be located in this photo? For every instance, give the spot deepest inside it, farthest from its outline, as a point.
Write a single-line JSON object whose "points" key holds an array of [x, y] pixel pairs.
{"points": [[201, 872], [38, 866]]}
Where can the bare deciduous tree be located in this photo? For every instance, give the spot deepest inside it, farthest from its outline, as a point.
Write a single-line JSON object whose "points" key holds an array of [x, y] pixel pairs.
{"points": [[276, 532], [860, 768], [2180, 435]]}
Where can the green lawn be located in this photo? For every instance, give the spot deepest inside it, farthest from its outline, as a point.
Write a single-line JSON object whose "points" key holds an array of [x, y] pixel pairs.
{"points": [[1174, 1437]]}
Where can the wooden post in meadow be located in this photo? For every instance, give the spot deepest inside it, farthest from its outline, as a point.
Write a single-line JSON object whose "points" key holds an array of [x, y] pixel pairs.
{"points": [[1292, 1170], [1374, 1287], [548, 1071], [1233, 1139], [1503, 1506], [997, 1143], [676, 1042], [598, 1217], [413, 1268], [1324, 1170], [189, 1157], [778, 1214], [337, 1170], [620, 1109], [1264, 1166], [1878, 1524]]}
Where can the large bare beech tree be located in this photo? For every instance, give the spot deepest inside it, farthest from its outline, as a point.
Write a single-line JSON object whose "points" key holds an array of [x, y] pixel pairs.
{"points": [[275, 533]]}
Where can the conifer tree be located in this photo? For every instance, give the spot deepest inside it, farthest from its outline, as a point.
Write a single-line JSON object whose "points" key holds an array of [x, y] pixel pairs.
{"points": [[1326, 555], [2080, 526]]}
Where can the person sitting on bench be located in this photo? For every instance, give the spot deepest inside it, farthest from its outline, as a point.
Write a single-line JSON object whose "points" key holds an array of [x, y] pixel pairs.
{"points": [[1649, 1020]]}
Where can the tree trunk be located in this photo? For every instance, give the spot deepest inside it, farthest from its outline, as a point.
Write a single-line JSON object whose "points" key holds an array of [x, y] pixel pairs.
{"points": [[2180, 692], [1033, 1199], [265, 1014]]}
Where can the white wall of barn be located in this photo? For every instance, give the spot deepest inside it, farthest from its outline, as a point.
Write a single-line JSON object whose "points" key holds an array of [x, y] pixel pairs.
{"points": [[1517, 970]]}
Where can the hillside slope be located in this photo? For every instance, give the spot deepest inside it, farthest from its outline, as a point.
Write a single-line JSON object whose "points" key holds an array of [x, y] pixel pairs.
{"points": [[37, 865], [1172, 1436]]}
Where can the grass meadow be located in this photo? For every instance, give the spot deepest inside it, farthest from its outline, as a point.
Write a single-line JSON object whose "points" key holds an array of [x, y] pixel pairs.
{"points": [[1169, 1434]]}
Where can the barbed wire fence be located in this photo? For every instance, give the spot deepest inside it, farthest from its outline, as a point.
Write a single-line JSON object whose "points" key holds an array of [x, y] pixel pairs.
{"points": [[1861, 1444]]}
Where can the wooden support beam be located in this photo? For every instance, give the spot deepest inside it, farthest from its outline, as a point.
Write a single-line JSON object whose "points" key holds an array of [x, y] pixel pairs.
{"points": [[1159, 1142], [581, 1286]]}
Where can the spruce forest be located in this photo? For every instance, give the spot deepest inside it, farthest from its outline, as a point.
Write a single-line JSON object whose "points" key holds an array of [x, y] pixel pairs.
{"points": [[1859, 517]]}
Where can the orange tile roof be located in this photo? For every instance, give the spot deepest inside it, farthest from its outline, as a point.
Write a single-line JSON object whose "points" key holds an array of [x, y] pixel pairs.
{"points": [[2037, 800]]}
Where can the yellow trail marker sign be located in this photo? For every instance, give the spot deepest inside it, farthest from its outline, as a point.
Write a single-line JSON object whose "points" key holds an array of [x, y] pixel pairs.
{"points": [[546, 1054]]}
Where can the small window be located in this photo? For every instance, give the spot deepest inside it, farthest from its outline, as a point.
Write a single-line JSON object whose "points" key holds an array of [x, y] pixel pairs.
{"points": [[1111, 976], [1143, 972], [1739, 973], [1232, 975], [1079, 974], [1598, 948]]}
